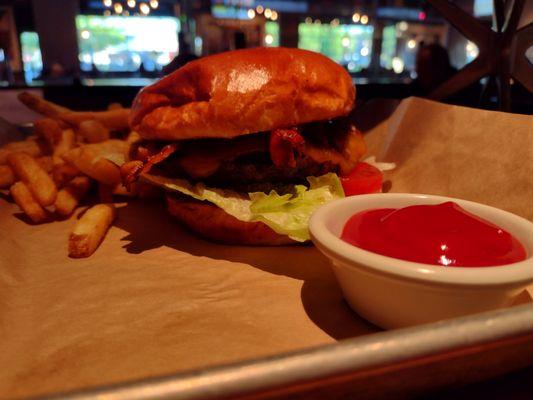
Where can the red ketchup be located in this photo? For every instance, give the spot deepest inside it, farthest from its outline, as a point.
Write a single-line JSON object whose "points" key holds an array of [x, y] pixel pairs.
{"points": [[442, 234]]}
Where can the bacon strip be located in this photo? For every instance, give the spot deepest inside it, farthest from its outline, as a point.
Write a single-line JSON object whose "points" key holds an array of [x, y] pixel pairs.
{"points": [[283, 144], [141, 168]]}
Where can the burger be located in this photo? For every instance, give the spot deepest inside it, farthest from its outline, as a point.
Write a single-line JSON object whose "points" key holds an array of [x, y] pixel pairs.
{"points": [[248, 143]]}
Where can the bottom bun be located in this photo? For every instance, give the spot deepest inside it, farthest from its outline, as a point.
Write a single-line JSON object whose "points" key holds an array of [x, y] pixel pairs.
{"points": [[213, 223]]}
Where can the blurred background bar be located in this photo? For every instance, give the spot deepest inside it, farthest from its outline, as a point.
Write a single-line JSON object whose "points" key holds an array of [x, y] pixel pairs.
{"points": [[86, 53]]}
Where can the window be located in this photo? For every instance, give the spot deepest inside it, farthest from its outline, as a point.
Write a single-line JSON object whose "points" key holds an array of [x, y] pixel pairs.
{"points": [[349, 45], [31, 55], [126, 44]]}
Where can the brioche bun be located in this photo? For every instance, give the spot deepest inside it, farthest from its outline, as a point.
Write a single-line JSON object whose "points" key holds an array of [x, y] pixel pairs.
{"points": [[213, 223], [242, 92]]}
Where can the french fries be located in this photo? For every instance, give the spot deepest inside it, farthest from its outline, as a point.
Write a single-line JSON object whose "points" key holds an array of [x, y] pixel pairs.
{"points": [[46, 163], [117, 119], [64, 173], [93, 131], [69, 197], [48, 129], [7, 177], [28, 170], [41, 105], [90, 230], [30, 147], [94, 160], [58, 165], [66, 143], [24, 199]]}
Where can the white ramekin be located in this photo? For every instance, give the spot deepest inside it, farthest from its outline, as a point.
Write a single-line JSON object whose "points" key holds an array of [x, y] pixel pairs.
{"points": [[393, 293]]}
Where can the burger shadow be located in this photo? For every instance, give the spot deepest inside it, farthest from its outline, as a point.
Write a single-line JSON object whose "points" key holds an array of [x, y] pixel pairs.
{"points": [[320, 294]]}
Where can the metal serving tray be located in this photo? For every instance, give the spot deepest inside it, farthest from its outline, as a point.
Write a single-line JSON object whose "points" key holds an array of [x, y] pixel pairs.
{"points": [[411, 360]]}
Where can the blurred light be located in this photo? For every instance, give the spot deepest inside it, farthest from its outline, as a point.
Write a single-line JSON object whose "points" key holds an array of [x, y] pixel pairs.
{"points": [[345, 42], [317, 22], [251, 13], [411, 43], [144, 9], [131, 3], [308, 20], [107, 13], [260, 9], [85, 35], [356, 17], [351, 66], [136, 58], [154, 4], [403, 26], [421, 15], [86, 58], [108, 3], [365, 51], [269, 39], [268, 13], [274, 16], [335, 22], [126, 13], [472, 50], [397, 65], [364, 19], [118, 8]]}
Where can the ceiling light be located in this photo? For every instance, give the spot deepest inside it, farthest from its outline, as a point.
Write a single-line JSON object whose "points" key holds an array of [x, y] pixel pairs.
{"points": [[144, 9]]}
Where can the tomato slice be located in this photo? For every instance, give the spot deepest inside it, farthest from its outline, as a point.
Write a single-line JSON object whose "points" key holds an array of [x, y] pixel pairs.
{"points": [[363, 179]]}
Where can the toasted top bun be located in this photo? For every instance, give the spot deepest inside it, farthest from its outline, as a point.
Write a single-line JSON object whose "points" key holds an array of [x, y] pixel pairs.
{"points": [[241, 92]]}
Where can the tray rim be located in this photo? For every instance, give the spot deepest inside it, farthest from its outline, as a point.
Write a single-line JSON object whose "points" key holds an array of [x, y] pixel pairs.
{"points": [[327, 361]]}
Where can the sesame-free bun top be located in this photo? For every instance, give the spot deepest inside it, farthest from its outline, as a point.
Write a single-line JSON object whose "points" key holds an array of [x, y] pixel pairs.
{"points": [[244, 91]]}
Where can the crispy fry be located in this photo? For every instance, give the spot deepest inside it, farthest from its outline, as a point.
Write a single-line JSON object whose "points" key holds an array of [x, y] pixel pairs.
{"points": [[23, 197], [90, 230], [65, 144], [7, 177], [41, 105], [114, 106], [94, 160], [30, 147], [64, 173], [133, 137], [46, 163], [48, 129], [28, 170], [93, 131], [69, 197], [117, 119]]}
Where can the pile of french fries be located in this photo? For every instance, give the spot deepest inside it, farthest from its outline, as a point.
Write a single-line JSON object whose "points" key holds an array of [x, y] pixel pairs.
{"points": [[52, 171]]}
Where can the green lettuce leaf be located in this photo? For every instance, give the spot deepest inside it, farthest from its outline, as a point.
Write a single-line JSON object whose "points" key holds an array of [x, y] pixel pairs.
{"points": [[286, 214]]}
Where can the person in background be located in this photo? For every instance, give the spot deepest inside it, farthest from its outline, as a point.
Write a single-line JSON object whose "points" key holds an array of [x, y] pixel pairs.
{"points": [[433, 68], [185, 56], [239, 40]]}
